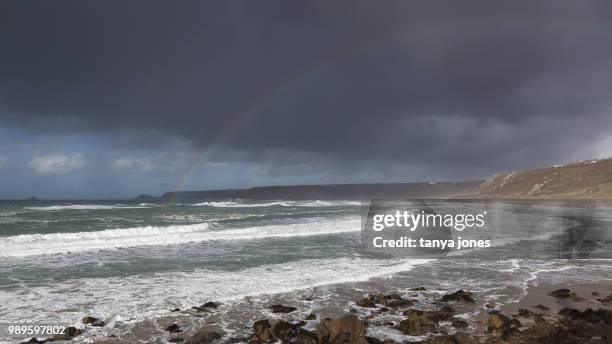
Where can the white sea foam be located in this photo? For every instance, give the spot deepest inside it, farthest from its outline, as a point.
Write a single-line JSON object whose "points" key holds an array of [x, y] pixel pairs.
{"points": [[37, 244], [143, 296], [86, 207], [317, 203]]}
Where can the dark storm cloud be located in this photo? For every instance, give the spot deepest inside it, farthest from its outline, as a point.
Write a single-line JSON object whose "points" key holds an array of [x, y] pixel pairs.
{"points": [[348, 81]]}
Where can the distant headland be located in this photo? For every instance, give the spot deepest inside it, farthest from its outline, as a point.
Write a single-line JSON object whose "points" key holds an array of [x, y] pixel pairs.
{"points": [[585, 179]]}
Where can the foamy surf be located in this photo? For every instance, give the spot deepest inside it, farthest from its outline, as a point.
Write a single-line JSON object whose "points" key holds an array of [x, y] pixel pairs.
{"points": [[317, 203], [143, 296], [40, 244], [86, 207]]}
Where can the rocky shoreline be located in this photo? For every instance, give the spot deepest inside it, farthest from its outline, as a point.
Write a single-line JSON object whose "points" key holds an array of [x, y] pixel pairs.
{"points": [[440, 323]]}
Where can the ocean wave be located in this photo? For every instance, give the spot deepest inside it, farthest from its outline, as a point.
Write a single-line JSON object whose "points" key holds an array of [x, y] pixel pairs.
{"points": [[39, 244], [86, 207], [143, 296], [317, 203]]}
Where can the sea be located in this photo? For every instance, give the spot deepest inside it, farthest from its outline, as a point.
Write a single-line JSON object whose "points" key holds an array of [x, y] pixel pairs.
{"points": [[132, 264]]}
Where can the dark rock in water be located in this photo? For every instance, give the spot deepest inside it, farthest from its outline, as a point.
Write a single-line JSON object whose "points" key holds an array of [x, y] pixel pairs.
{"points": [[541, 307], [418, 289], [203, 336], [209, 305], [311, 317], [70, 333], [176, 340], [281, 309], [458, 323], [458, 296], [418, 323], [174, 328], [175, 310], [73, 331], [383, 310], [401, 303], [366, 302], [390, 300], [205, 307], [88, 320], [307, 337], [262, 331], [35, 340], [565, 294], [596, 293], [569, 313], [93, 321], [606, 301], [346, 329], [560, 293], [489, 306], [284, 331]]}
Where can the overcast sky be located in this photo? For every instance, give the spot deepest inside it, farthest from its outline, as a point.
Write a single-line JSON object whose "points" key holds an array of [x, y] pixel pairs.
{"points": [[113, 99]]}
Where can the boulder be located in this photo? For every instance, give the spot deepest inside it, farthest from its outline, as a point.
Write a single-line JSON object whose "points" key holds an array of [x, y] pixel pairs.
{"points": [[307, 337], [560, 293], [401, 303], [311, 317], [284, 331], [565, 294], [205, 307], [459, 296], [262, 331], [209, 304], [418, 323], [498, 322], [345, 329], [366, 302], [93, 321], [71, 332], [174, 328], [458, 323], [602, 316], [569, 313]]}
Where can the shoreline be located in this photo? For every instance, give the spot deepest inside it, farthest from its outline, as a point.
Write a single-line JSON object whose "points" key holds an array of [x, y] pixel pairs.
{"points": [[547, 313]]}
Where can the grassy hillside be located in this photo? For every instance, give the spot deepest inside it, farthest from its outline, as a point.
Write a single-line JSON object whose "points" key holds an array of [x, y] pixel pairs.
{"points": [[591, 179]]}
